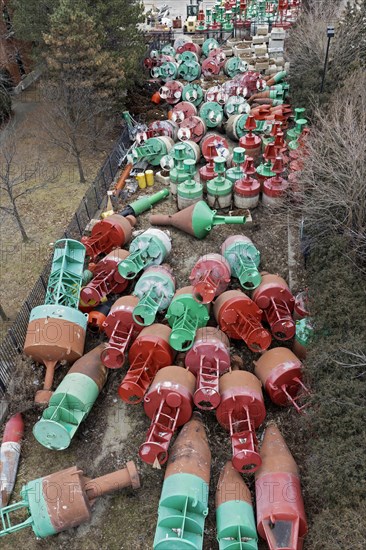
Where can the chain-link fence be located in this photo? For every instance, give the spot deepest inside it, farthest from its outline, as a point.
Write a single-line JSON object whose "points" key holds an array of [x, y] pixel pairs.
{"points": [[12, 345]]}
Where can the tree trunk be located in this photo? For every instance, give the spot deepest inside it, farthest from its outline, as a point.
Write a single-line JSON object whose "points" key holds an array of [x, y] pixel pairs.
{"points": [[3, 315], [19, 222], [81, 171]]}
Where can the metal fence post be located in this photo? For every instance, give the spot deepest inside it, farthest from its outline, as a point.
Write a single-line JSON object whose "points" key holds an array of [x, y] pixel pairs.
{"points": [[86, 208]]}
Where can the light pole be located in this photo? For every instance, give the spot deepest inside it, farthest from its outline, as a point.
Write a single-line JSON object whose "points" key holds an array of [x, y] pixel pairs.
{"points": [[330, 34]]}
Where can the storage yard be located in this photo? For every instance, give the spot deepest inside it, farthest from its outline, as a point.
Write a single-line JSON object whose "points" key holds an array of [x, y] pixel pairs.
{"points": [[171, 347]]}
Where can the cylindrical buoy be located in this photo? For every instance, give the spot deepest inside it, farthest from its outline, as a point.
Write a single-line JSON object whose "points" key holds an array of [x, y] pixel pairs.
{"points": [[274, 189], [63, 500], [240, 318], [301, 306], [244, 259], [208, 359], [219, 189], [153, 149], [98, 315], [192, 93], [149, 176], [149, 248], [274, 297], [264, 170], [212, 146], [241, 411], [303, 336], [149, 353], [112, 232], [189, 191], [155, 290], [247, 189], [210, 276], [183, 110], [218, 55], [106, 279], [208, 45], [169, 403], [212, 114], [121, 329], [235, 126], [251, 142], [185, 315], [236, 172], [210, 67], [281, 373], [192, 128]]}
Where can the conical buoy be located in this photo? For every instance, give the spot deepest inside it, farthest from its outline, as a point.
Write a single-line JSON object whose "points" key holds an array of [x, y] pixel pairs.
{"points": [[234, 512], [183, 504], [197, 220], [281, 517]]}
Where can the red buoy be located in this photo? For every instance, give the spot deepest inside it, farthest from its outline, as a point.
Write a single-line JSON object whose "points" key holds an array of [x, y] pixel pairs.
{"points": [[169, 404], [274, 297], [241, 411], [281, 373], [208, 359], [121, 329], [149, 353], [240, 318], [209, 277], [281, 519]]}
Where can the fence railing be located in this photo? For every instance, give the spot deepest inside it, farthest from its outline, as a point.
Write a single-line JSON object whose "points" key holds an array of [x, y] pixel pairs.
{"points": [[12, 345]]}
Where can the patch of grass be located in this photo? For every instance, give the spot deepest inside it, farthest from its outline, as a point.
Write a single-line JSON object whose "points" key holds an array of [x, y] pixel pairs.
{"points": [[338, 527], [45, 214], [334, 468]]}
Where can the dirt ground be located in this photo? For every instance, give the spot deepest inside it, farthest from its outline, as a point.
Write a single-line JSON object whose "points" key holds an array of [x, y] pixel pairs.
{"points": [[113, 431], [46, 212]]}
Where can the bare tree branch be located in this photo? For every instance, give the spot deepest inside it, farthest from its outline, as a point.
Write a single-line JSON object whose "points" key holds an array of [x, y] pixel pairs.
{"points": [[14, 173], [75, 121], [332, 183]]}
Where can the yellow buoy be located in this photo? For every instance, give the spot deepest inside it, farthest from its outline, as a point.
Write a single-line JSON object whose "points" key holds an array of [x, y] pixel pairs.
{"points": [[141, 180], [149, 175]]}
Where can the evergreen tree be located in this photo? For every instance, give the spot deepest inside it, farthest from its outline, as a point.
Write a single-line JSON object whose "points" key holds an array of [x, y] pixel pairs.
{"points": [[30, 18], [116, 20], [83, 82], [75, 57]]}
